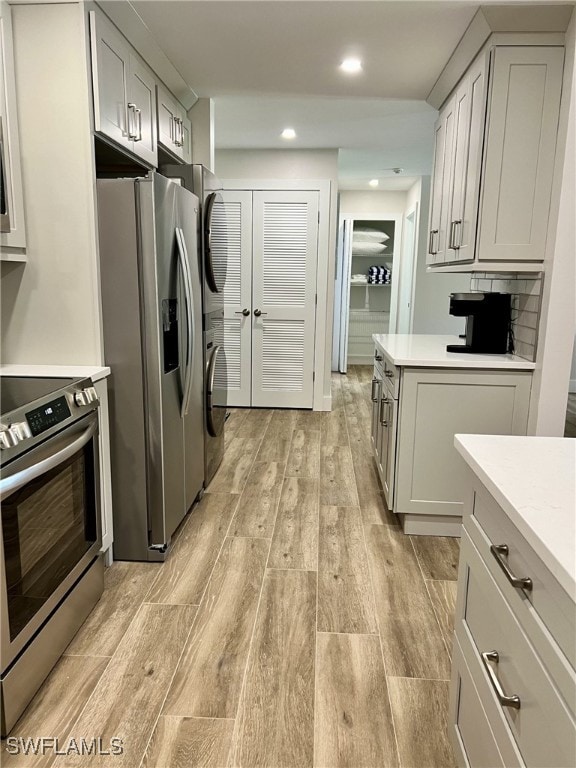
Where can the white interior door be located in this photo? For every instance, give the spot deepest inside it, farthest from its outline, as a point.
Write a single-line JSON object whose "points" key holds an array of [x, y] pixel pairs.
{"points": [[285, 256], [405, 273], [235, 335]]}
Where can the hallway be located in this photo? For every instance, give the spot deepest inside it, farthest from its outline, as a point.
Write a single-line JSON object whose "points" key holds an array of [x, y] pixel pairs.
{"points": [[293, 624]]}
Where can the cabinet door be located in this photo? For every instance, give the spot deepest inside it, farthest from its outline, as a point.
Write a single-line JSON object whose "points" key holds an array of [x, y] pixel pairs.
{"points": [[142, 111], [470, 110], [388, 467], [383, 441], [235, 333], [523, 112], [436, 191], [285, 256], [443, 224], [168, 110], [375, 397], [12, 230], [186, 139], [434, 406], [110, 74]]}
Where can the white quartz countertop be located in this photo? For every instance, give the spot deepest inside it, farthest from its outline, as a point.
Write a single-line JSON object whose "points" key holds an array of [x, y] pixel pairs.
{"points": [[533, 479], [95, 372], [429, 351]]}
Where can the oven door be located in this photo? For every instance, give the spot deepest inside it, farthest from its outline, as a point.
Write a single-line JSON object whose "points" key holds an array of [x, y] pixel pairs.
{"points": [[50, 530]]}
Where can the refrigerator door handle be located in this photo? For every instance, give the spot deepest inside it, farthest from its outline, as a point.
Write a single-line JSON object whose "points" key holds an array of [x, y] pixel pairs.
{"points": [[183, 258]]}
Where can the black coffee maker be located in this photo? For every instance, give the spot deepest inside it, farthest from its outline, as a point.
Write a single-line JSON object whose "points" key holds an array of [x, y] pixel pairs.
{"points": [[487, 322]]}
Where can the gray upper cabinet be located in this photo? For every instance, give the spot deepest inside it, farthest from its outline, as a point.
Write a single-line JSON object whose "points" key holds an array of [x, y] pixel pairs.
{"points": [[142, 110], [124, 92], [520, 150], [494, 160], [174, 129], [12, 231]]}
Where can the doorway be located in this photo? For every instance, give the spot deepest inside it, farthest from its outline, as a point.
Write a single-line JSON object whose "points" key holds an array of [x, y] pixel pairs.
{"points": [[268, 328], [369, 257]]}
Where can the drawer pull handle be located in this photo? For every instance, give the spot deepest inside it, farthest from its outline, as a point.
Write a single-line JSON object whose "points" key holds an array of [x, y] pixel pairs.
{"points": [[378, 357], [373, 396], [505, 701], [383, 402], [500, 552]]}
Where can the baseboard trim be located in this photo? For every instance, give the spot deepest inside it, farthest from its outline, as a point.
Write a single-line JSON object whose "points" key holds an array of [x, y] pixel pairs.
{"points": [[360, 360], [326, 404], [431, 525]]}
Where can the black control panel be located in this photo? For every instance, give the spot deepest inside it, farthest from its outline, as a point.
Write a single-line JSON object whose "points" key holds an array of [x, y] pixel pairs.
{"points": [[48, 415]]}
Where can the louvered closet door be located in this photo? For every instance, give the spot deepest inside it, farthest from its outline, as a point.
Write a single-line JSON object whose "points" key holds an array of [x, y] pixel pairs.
{"points": [[235, 333], [285, 256]]}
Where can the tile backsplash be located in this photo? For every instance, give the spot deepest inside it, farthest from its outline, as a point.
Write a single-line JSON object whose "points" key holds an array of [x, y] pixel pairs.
{"points": [[526, 290]]}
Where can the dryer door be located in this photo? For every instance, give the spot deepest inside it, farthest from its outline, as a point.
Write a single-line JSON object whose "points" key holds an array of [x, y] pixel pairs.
{"points": [[216, 392], [215, 243]]}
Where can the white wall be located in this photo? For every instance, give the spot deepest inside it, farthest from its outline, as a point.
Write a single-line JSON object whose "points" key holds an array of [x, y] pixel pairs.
{"points": [[201, 117], [432, 291], [277, 164], [294, 164], [50, 306], [353, 203], [558, 315]]}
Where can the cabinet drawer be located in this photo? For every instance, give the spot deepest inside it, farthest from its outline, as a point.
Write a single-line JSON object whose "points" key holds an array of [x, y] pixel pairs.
{"points": [[542, 726], [473, 737], [547, 599], [392, 378]]}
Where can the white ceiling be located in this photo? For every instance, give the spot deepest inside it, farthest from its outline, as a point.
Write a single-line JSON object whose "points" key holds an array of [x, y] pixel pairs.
{"points": [[373, 135], [273, 63]]}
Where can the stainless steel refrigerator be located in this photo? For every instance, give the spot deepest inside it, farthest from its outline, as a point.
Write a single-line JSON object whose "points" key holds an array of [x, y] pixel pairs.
{"points": [[152, 318]]}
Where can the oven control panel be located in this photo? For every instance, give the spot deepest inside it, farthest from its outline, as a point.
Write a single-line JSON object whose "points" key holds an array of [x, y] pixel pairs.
{"points": [[48, 415]]}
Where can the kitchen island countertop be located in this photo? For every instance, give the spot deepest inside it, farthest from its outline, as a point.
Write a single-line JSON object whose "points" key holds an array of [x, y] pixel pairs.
{"points": [[429, 351], [533, 479]]}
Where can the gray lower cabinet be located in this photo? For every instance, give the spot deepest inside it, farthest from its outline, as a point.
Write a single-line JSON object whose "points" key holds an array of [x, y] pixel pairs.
{"points": [[385, 388], [513, 689], [416, 413]]}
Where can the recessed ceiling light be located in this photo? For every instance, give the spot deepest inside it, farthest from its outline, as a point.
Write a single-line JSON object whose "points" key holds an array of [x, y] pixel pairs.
{"points": [[288, 133], [373, 182], [351, 66]]}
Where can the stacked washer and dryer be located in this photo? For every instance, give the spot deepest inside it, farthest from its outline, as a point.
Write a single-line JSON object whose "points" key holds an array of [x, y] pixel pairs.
{"points": [[212, 255]]}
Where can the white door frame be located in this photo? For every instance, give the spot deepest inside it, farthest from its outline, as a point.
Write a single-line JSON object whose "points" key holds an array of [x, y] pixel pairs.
{"points": [[408, 263], [397, 218], [323, 187]]}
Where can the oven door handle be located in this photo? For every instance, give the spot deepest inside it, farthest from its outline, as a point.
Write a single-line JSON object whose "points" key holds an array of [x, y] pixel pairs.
{"points": [[12, 483]]}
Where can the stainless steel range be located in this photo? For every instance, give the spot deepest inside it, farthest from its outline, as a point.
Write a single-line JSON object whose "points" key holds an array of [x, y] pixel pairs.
{"points": [[50, 538]]}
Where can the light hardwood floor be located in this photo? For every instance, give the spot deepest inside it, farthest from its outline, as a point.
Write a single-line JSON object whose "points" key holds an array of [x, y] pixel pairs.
{"points": [[293, 626]]}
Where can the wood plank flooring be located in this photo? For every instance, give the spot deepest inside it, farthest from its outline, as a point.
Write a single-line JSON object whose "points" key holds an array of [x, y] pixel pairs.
{"points": [[293, 625]]}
